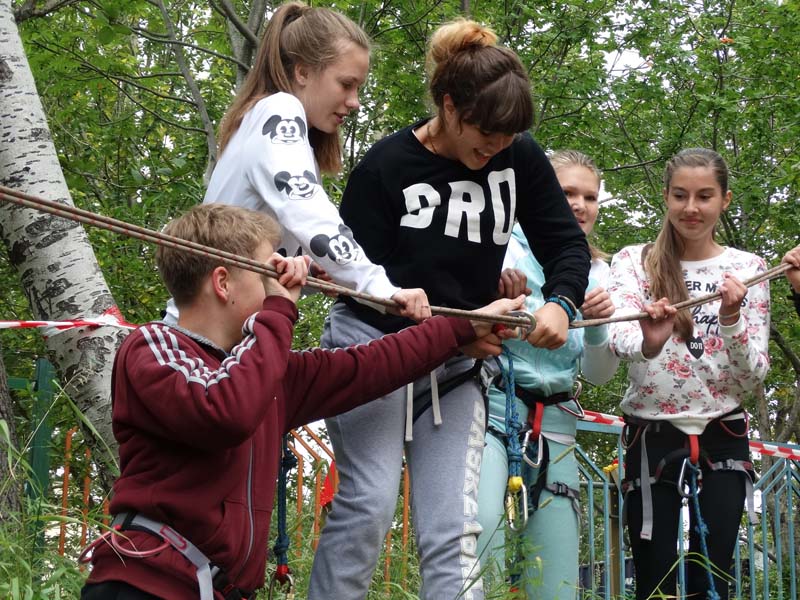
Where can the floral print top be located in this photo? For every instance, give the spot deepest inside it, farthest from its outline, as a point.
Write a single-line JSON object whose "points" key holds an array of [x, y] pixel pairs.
{"points": [[692, 382]]}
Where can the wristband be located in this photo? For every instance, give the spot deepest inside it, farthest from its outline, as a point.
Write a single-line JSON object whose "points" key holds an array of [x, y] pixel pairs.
{"points": [[566, 304], [730, 315]]}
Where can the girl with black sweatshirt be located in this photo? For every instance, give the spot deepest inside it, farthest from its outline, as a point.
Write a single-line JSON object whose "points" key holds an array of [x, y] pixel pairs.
{"points": [[435, 204]]}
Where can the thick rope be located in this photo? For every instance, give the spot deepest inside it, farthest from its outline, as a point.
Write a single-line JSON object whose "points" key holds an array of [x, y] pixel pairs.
{"points": [[767, 275], [89, 218], [513, 426], [117, 226]]}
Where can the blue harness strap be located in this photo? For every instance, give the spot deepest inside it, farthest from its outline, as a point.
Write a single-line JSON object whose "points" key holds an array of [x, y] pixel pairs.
{"points": [[513, 424]]}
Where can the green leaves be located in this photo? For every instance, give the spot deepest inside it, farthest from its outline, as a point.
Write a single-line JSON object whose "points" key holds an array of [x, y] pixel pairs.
{"points": [[629, 83]]}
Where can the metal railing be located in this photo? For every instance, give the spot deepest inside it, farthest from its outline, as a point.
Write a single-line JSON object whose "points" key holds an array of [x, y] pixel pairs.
{"points": [[765, 559]]}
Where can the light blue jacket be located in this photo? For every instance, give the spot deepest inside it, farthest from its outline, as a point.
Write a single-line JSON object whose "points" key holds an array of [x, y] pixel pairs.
{"points": [[545, 372]]}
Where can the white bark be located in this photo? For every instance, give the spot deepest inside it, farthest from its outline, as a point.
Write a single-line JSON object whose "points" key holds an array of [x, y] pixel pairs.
{"points": [[56, 264]]}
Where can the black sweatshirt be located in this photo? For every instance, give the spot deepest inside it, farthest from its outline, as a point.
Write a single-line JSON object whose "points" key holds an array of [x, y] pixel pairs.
{"points": [[433, 223]]}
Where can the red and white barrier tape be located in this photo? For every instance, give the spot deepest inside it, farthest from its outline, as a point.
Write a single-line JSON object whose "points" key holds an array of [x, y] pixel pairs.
{"points": [[763, 448], [110, 318], [113, 318]]}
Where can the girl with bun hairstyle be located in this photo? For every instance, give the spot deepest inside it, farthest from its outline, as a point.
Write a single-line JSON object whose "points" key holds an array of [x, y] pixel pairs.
{"points": [[434, 204], [282, 130]]}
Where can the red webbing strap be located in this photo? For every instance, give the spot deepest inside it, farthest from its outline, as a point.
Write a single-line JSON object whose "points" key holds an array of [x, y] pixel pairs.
{"points": [[694, 449]]}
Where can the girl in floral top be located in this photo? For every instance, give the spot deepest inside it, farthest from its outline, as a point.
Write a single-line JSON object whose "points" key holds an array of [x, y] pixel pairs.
{"points": [[688, 376]]}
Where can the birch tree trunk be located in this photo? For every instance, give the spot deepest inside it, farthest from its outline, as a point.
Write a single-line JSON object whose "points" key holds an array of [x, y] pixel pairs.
{"points": [[56, 264]]}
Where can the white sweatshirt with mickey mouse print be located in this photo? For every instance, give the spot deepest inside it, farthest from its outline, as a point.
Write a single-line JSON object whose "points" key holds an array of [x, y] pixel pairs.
{"points": [[691, 382], [269, 166]]}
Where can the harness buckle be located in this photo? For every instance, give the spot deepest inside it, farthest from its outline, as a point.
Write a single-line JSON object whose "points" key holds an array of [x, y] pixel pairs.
{"points": [[560, 489], [684, 487], [513, 501], [539, 451]]}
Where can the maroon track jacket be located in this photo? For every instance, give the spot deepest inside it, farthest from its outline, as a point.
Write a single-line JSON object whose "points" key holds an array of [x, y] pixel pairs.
{"points": [[199, 432]]}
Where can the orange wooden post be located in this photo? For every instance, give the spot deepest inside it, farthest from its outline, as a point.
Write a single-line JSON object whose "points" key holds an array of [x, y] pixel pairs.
{"points": [[85, 509], [319, 441], [300, 483], [386, 576], [62, 534], [317, 509]]}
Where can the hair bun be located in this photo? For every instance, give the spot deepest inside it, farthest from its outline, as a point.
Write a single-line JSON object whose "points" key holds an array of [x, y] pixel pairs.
{"points": [[457, 36]]}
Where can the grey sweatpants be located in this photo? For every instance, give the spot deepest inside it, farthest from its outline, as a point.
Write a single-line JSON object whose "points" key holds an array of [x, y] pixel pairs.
{"points": [[444, 463]]}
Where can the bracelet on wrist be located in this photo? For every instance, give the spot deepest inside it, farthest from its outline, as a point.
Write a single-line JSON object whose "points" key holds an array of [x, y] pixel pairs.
{"points": [[565, 303], [730, 315]]}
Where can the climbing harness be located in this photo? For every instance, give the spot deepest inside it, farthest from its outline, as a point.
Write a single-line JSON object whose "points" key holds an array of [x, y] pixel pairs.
{"points": [[437, 392], [530, 444], [282, 578], [688, 455], [209, 576], [477, 372]]}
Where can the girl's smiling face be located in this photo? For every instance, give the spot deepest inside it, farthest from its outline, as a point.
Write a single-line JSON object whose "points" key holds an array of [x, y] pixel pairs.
{"points": [[695, 202], [581, 187]]}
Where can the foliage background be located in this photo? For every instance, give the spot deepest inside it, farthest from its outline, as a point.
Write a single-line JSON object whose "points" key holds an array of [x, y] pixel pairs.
{"points": [[134, 90]]}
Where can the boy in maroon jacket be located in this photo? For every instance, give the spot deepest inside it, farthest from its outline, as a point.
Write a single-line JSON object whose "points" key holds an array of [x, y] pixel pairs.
{"points": [[199, 410]]}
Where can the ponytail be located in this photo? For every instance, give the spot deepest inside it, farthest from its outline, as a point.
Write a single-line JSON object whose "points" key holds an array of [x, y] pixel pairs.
{"points": [[296, 34]]}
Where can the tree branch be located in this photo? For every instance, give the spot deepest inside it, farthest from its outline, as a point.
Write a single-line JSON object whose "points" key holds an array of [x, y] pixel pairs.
{"points": [[225, 8], [164, 40], [180, 58], [28, 9]]}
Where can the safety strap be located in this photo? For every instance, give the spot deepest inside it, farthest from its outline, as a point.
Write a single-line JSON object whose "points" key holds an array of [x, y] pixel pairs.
{"points": [[409, 411], [746, 467], [209, 576], [559, 488]]}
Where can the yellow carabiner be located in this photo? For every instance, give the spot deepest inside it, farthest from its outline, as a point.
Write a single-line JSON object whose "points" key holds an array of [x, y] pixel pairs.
{"points": [[513, 498]]}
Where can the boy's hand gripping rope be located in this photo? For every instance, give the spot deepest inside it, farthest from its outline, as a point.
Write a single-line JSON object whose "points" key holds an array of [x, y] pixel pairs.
{"points": [[283, 574], [516, 495]]}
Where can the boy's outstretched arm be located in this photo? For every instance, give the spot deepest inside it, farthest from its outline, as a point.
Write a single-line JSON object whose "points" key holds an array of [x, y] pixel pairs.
{"points": [[321, 383]]}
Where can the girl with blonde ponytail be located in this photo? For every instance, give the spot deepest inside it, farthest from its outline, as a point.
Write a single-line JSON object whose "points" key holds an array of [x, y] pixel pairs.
{"points": [[688, 377], [282, 130], [434, 204]]}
